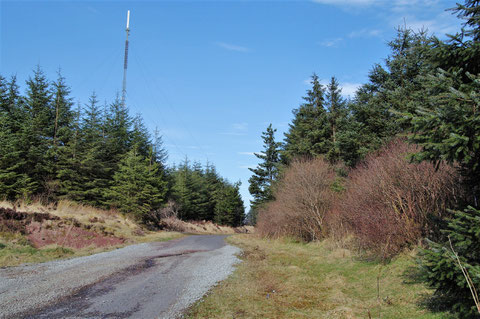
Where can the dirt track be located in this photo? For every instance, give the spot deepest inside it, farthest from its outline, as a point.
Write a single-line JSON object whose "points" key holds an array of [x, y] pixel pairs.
{"points": [[154, 280]]}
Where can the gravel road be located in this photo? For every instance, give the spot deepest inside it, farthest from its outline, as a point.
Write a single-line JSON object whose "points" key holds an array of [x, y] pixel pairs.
{"points": [[152, 280]]}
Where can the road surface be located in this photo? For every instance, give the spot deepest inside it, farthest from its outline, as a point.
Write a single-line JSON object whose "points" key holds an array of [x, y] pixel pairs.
{"points": [[152, 280]]}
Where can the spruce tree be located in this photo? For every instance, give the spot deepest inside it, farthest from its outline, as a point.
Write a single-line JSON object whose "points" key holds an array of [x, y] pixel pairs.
{"points": [[266, 172], [138, 186], [336, 114], [309, 135], [229, 209], [447, 128], [37, 130], [14, 182]]}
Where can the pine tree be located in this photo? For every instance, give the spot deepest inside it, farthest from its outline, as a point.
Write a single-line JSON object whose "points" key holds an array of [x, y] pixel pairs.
{"points": [[266, 172], [309, 134]]}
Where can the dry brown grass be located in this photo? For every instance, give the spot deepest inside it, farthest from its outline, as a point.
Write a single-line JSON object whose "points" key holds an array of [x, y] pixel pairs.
{"points": [[17, 250], [202, 227], [286, 279]]}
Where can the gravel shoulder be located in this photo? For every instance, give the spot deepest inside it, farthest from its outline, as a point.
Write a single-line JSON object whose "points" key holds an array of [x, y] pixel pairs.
{"points": [[151, 280]]}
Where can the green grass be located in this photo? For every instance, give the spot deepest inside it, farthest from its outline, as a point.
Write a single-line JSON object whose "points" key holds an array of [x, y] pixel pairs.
{"points": [[286, 279]]}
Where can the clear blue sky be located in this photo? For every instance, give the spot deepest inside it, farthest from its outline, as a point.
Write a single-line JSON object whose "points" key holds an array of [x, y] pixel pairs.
{"points": [[210, 74]]}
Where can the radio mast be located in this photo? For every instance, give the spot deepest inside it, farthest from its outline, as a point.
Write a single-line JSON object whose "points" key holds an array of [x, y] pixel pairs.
{"points": [[125, 61]]}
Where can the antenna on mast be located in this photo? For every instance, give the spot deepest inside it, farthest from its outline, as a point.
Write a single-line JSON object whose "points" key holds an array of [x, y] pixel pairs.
{"points": [[125, 61]]}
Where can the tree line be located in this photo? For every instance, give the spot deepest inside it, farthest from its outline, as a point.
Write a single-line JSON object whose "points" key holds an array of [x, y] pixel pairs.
{"points": [[52, 149], [428, 92]]}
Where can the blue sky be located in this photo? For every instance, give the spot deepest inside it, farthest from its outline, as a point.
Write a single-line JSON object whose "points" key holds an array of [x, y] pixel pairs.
{"points": [[211, 75]]}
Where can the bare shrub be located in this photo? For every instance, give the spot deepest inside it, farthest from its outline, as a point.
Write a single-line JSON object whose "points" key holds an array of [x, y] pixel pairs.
{"points": [[303, 200], [391, 203], [173, 224]]}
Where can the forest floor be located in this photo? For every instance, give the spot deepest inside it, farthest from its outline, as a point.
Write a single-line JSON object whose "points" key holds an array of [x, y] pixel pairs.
{"points": [[287, 279]]}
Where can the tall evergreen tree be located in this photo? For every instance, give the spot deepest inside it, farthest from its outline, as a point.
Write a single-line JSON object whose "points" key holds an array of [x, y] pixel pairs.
{"points": [[229, 209], [309, 134], [14, 181], [266, 172], [336, 114], [138, 186], [448, 129], [38, 130]]}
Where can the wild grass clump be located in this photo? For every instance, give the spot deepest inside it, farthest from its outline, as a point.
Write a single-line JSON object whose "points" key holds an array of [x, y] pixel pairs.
{"points": [[303, 199], [391, 203]]}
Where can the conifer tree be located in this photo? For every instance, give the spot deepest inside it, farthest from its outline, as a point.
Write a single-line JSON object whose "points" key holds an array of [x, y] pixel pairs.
{"points": [[14, 182], [138, 186], [229, 209], [336, 113], [309, 134], [448, 129], [266, 172], [37, 130]]}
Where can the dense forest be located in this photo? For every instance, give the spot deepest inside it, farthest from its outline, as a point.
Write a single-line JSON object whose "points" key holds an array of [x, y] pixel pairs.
{"points": [[52, 149], [396, 164]]}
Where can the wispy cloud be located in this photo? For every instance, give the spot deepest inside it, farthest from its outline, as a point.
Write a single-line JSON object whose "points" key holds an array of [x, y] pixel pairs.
{"points": [[349, 89], [365, 33], [347, 2], [247, 153], [331, 43], [237, 129], [92, 9], [232, 47], [415, 14]]}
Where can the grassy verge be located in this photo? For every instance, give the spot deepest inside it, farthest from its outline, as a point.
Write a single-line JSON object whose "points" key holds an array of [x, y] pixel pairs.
{"points": [[284, 279], [15, 249]]}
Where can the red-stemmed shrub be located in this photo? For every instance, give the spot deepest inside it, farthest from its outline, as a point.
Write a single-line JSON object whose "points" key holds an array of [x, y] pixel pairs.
{"points": [[303, 200], [391, 203]]}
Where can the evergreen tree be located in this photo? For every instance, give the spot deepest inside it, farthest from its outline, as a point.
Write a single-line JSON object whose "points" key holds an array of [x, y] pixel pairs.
{"points": [[229, 209], [37, 131], [336, 114], [14, 182], [117, 132], [440, 268], [448, 129], [84, 173], [266, 172], [309, 134], [138, 186]]}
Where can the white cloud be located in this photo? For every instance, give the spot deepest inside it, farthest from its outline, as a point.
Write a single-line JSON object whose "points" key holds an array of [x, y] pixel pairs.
{"points": [[247, 153], [441, 24], [232, 47], [237, 129], [240, 126], [347, 2], [349, 89], [331, 43], [365, 33]]}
